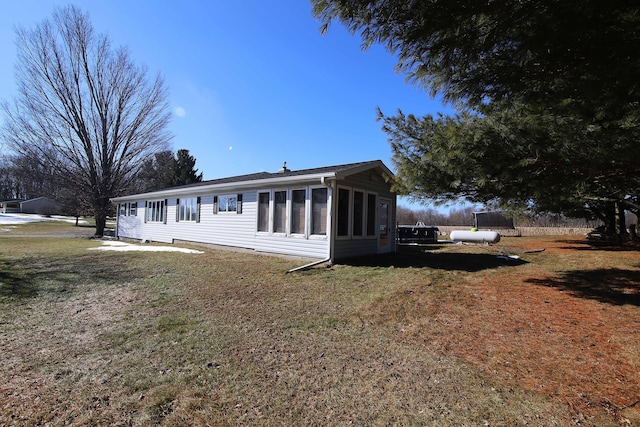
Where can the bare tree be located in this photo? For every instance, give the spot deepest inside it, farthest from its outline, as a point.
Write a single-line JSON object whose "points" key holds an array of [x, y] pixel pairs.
{"points": [[85, 108]]}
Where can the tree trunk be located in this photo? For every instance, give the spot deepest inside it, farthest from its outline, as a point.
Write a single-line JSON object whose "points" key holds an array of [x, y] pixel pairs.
{"points": [[621, 223], [101, 222], [610, 218], [101, 208]]}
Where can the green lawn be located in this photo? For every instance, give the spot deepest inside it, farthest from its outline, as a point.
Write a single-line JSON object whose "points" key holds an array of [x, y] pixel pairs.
{"points": [[223, 338]]}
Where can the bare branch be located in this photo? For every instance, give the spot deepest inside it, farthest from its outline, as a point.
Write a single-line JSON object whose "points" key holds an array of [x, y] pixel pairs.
{"points": [[86, 103]]}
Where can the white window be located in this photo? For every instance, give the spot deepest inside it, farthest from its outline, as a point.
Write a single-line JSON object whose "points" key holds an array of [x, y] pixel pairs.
{"points": [[228, 203], [188, 209], [296, 211], [156, 211], [125, 209]]}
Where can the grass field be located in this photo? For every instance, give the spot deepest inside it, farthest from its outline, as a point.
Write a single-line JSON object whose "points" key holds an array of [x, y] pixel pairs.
{"points": [[443, 335]]}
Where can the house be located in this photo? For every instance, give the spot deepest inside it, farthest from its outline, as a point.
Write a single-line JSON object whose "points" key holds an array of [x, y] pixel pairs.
{"points": [[323, 213]]}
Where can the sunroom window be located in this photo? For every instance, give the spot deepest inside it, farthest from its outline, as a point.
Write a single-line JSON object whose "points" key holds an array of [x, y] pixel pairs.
{"points": [[263, 212], [343, 211], [279, 211], [319, 211], [298, 200]]}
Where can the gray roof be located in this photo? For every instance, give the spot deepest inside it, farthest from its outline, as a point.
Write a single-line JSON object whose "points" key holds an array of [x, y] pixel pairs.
{"points": [[284, 176]]}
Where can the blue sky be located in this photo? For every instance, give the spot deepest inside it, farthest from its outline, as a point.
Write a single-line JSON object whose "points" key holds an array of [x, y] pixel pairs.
{"points": [[252, 83]]}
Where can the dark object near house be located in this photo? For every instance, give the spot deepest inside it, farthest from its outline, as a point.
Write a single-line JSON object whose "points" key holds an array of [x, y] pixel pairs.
{"points": [[492, 221], [417, 234]]}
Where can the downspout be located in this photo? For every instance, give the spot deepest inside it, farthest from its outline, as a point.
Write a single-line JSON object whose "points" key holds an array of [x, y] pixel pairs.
{"points": [[324, 182], [330, 185], [304, 267], [116, 234]]}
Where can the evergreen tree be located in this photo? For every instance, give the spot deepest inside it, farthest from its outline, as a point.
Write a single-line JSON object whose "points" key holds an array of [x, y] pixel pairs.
{"points": [[184, 169], [547, 93], [157, 172]]}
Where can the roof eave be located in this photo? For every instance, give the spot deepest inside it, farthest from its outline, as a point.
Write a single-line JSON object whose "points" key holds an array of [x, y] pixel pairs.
{"points": [[365, 167], [240, 185]]}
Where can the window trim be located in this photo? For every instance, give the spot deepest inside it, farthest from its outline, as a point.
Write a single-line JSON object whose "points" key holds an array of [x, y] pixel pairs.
{"points": [[288, 212], [363, 212], [217, 202], [128, 209], [160, 208], [269, 196], [195, 205]]}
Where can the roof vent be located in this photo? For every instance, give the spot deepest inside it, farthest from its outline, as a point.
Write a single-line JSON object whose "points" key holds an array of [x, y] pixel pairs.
{"points": [[284, 168]]}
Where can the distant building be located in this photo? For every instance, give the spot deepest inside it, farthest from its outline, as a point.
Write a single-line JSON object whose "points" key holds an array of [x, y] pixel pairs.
{"points": [[39, 205], [10, 206]]}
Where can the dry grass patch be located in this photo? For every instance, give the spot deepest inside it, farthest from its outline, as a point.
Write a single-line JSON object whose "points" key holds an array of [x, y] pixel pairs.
{"points": [[565, 325], [446, 336]]}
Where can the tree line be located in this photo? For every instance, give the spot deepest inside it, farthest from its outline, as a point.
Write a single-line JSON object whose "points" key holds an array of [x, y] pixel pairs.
{"points": [[24, 178], [463, 217]]}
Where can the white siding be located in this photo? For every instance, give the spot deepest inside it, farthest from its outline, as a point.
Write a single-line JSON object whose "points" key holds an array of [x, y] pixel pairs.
{"points": [[223, 228], [240, 230], [131, 226], [353, 246]]}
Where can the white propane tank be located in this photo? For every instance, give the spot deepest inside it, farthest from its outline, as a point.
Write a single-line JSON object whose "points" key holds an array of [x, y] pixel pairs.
{"points": [[475, 236]]}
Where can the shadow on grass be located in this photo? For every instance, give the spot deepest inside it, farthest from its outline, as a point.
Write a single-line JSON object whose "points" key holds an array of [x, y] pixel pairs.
{"points": [[15, 282], [611, 286], [419, 257], [600, 245], [31, 277]]}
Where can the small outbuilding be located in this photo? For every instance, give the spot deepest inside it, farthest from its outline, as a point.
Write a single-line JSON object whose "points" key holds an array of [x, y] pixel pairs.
{"points": [[10, 206], [39, 205], [324, 213]]}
